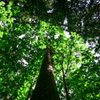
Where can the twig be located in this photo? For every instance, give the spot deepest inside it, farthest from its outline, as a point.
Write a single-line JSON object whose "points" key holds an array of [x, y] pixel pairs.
{"points": [[29, 93]]}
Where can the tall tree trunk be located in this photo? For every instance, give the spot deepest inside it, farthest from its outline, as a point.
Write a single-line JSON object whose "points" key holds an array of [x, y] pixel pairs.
{"points": [[46, 88]]}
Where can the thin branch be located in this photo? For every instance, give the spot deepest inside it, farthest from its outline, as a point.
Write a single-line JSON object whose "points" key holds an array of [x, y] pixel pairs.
{"points": [[65, 87], [9, 52], [67, 64], [5, 53], [88, 13], [91, 11], [29, 93]]}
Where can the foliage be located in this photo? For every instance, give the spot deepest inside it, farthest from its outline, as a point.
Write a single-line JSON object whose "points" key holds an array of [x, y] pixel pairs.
{"points": [[22, 47], [5, 20]]}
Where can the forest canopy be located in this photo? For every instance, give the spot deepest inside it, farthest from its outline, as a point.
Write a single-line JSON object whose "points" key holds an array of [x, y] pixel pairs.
{"points": [[43, 48]]}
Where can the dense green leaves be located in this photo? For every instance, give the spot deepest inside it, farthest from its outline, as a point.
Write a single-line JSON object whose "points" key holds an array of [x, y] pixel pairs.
{"points": [[5, 20], [22, 47]]}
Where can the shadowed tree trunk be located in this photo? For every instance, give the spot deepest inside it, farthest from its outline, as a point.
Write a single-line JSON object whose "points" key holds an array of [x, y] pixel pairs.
{"points": [[46, 88]]}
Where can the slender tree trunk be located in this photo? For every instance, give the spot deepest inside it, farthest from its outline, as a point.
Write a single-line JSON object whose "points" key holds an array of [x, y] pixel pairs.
{"points": [[65, 87], [45, 88], [29, 93]]}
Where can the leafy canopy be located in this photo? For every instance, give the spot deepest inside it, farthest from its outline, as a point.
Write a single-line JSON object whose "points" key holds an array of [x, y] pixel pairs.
{"points": [[15, 75]]}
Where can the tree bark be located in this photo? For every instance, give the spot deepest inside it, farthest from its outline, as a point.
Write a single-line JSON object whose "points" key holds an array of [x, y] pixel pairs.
{"points": [[46, 88]]}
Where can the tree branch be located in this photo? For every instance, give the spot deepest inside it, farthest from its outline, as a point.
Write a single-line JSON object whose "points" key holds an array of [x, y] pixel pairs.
{"points": [[29, 93], [91, 11], [65, 87]]}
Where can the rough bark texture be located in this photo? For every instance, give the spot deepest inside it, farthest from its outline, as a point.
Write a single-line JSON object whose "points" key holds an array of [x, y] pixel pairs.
{"points": [[46, 88]]}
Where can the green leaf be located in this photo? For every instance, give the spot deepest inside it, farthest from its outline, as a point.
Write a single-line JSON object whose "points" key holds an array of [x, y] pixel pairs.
{"points": [[1, 3], [1, 34]]}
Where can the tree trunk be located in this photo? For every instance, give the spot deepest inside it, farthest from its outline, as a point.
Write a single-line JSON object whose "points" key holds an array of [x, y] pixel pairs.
{"points": [[46, 88]]}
